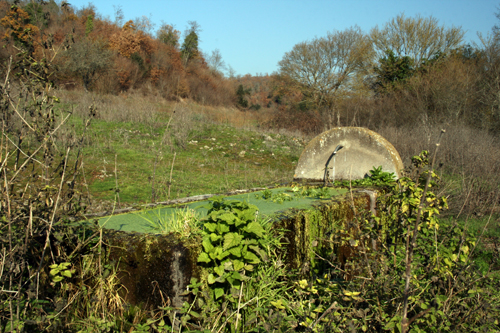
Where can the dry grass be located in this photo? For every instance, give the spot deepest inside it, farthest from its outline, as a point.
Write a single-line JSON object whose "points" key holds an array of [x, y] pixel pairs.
{"points": [[469, 158], [468, 161]]}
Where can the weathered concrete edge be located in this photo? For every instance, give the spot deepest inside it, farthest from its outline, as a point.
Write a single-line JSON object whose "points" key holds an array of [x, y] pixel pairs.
{"points": [[173, 202]]}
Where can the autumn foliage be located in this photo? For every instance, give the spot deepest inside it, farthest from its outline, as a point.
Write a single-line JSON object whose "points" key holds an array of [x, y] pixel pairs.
{"points": [[457, 84], [136, 58], [17, 26]]}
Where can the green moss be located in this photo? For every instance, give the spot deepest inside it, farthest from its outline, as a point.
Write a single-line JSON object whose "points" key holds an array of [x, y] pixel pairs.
{"points": [[314, 235]]}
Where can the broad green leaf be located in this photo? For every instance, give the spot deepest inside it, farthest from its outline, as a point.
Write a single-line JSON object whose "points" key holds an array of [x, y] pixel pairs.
{"points": [[207, 245], [238, 222], [252, 258], [219, 270], [228, 265], [259, 251], [227, 217], [218, 292], [255, 228], [66, 273], [236, 251], [237, 276], [222, 255], [57, 278], [222, 228], [214, 237], [278, 304], [238, 264], [232, 239], [448, 262], [247, 215], [210, 226], [211, 278]]}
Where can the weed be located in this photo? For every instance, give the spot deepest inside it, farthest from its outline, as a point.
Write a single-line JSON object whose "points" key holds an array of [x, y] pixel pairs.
{"points": [[183, 221]]}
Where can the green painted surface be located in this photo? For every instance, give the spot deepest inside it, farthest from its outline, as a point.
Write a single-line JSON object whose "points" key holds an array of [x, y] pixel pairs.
{"points": [[143, 221]]}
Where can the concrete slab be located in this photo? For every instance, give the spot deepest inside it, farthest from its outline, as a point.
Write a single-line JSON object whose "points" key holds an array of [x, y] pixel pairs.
{"points": [[362, 149]]}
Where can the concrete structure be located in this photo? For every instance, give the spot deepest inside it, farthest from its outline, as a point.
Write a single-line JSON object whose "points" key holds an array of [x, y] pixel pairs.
{"points": [[361, 151]]}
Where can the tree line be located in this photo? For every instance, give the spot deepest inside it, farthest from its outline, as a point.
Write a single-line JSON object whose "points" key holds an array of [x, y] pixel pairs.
{"points": [[411, 69], [112, 56]]}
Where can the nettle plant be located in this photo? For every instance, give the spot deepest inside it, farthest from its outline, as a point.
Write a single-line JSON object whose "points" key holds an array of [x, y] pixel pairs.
{"points": [[233, 243], [377, 177]]}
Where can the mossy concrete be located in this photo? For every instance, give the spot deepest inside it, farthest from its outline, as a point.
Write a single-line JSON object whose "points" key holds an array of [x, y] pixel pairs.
{"points": [[156, 269], [312, 234]]}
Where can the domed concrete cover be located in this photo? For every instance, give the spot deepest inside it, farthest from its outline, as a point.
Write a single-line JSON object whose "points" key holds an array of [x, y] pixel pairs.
{"points": [[362, 151]]}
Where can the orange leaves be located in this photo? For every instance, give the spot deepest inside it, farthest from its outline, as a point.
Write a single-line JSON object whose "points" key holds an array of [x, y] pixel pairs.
{"points": [[129, 41], [129, 26], [156, 73], [18, 27]]}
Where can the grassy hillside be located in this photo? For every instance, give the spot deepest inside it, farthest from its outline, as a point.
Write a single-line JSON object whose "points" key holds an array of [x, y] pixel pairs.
{"points": [[177, 150]]}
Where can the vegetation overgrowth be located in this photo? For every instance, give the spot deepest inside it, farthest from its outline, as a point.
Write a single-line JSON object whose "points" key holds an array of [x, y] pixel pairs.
{"points": [[99, 113]]}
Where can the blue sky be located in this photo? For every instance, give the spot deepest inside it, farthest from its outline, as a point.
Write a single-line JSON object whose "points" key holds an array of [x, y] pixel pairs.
{"points": [[253, 35]]}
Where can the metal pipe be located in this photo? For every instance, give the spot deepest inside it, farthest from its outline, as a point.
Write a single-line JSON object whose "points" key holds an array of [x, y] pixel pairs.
{"points": [[325, 176]]}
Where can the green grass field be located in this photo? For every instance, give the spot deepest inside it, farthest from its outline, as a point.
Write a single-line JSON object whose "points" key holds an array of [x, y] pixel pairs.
{"points": [[203, 158]]}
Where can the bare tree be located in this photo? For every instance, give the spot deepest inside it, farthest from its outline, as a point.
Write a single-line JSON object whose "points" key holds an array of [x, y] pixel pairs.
{"points": [[144, 24], [416, 37], [215, 62], [119, 16], [325, 67]]}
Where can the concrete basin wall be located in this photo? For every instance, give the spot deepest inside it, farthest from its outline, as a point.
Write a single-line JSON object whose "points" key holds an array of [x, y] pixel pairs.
{"points": [[156, 269], [362, 151]]}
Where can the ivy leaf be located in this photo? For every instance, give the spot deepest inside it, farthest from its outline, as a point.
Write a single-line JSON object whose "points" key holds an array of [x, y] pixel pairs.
{"points": [[203, 257], [255, 228], [232, 239], [214, 237]]}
